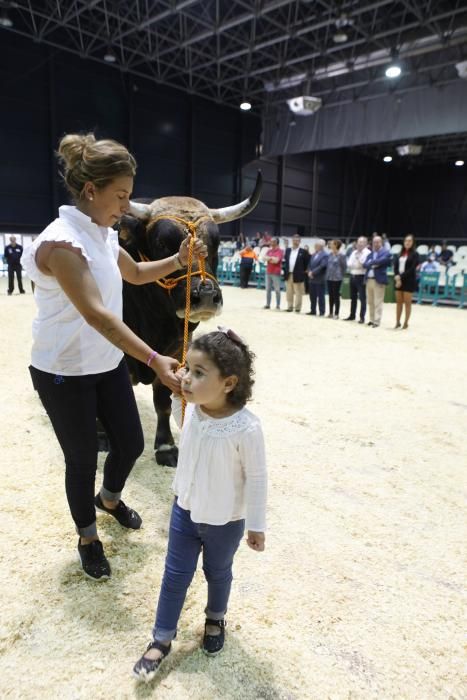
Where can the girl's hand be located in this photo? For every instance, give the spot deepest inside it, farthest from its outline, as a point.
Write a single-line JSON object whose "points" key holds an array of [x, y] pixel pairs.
{"points": [[165, 368], [199, 250], [255, 540]]}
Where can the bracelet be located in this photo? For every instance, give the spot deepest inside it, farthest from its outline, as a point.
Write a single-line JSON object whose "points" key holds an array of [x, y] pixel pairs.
{"points": [[177, 261], [151, 357]]}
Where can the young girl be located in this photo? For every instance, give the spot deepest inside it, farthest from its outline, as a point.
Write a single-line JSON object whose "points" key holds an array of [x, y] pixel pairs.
{"points": [[220, 488]]}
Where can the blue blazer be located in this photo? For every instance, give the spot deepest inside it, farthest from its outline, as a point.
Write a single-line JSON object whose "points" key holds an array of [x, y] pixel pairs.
{"points": [[379, 261], [318, 265]]}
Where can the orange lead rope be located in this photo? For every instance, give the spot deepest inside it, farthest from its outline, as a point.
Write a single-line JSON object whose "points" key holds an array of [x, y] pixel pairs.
{"points": [[170, 282]]}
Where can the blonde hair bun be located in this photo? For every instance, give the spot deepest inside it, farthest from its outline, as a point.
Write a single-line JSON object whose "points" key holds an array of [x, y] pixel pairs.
{"points": [[85, 159], [72, 146]]}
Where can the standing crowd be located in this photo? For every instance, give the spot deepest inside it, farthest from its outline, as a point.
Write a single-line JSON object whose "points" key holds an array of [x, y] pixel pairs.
{"points": [[322, 272]]}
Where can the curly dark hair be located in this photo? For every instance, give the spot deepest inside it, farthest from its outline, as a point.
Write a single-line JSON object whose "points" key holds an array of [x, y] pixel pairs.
{"points": [[231, 356]]}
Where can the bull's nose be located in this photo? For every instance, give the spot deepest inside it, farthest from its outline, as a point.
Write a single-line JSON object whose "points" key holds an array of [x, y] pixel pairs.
{"points": [[206, 294]]}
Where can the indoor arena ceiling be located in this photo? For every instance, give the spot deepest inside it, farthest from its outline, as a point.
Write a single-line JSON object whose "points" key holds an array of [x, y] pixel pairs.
{"points": [[447, 149], [261, 51]]}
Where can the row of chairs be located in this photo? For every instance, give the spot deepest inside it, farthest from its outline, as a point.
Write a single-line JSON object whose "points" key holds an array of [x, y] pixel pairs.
{"points": [[450, 286], [423, 249]]}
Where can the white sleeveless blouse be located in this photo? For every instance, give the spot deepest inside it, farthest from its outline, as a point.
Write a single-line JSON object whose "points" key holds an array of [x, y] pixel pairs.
{"points": [[64, 343]]}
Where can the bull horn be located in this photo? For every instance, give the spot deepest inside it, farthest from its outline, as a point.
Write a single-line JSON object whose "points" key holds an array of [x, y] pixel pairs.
{"points": [[139, 210], [237, 211]]}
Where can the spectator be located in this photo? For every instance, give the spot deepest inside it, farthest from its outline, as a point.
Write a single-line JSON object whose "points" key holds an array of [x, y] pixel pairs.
{"points": [[446, 255], [430, 265], [357, 278], [405, 271], [248, 257], [335, 270], [273, 259], [296, 261], [376, 266], [317, 267], [240, 242], [12, 256], [386, 243]]}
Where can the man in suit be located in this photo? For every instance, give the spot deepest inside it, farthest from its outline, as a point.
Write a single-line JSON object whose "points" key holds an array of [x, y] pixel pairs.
{"points": [[376, 266], [317, 267], [295, 264]]}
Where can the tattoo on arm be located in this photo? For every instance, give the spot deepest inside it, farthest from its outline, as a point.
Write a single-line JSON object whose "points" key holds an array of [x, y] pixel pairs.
{"points": [[113, 334]]}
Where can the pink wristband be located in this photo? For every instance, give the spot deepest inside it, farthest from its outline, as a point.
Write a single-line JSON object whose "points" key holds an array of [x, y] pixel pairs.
{"points": [[151, 357]]}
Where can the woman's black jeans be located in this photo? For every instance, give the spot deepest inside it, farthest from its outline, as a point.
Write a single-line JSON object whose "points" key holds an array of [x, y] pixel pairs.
{"points": [[334, 293], [73, 404]]}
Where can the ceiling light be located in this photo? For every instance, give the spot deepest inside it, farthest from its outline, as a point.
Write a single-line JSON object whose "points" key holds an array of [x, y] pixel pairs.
{"points": [[393, 71], [459, 163], [340, 38], [246, 106], [461, 69], [387, 159], [109, 56], [5, 20]]}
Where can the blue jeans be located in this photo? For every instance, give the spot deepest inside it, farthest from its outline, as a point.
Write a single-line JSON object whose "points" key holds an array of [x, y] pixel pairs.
{"points": [[186, 539], [273, 281]]}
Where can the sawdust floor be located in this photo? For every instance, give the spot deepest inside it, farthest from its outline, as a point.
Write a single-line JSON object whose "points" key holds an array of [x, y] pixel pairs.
{"points": [[359, 593]]}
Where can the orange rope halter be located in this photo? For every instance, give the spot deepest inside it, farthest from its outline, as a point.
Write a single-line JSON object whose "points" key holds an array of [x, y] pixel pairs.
{"points": [[170, 282]]}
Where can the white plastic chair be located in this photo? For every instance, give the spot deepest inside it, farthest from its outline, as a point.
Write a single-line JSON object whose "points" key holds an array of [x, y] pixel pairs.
{"points": [[396, 248], [437, 249], [452, 247], [462, 250], [422, 249]]}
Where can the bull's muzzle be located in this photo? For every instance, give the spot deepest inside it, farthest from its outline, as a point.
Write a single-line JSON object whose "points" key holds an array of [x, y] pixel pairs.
{"points": [[206, 300]]}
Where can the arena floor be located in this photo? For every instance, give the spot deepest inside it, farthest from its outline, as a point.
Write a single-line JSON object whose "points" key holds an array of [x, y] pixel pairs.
{"points": [[359, 592]]}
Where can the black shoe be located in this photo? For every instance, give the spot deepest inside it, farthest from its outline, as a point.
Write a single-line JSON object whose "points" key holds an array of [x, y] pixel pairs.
{"points": [[349, 318], [311, 313], [10, 293], [362, 320], [214, 643], [289, 310], [146, 669], [21, 291], [93, 560], [370, 323], [266, 307], [127, 517]]}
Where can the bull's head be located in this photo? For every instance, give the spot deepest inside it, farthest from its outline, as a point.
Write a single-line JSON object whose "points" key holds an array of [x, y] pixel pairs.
{"points": [[154, 231]]}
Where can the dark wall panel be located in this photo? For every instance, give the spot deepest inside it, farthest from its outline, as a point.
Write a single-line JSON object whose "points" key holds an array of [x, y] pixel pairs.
{"points": [[183, 145]]}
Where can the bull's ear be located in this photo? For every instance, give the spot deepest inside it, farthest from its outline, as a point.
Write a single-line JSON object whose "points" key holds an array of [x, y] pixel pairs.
{"points": [[128, 229]]}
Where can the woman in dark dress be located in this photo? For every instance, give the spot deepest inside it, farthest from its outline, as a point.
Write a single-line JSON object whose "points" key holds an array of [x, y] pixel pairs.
{"points": [[405, 266]]}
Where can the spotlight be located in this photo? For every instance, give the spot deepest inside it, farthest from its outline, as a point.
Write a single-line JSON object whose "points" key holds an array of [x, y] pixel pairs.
{"points": [[387, 159], [245, 106], [340, 37], [459, 163], [393, 71], [109, 56], [5, 20]]}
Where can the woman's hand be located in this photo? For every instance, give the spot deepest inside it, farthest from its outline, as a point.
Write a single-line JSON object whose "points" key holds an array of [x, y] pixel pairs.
{"points": [[199, 250], [166, 368], [255, 540]]}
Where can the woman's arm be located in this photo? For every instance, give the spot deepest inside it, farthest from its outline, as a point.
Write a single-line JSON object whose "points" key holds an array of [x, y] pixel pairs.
{"points": [[72, 273], [144, 272]]}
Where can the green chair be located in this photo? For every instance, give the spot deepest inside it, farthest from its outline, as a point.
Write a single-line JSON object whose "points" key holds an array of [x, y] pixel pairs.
{"points": [[428, 288], [463, 298]]}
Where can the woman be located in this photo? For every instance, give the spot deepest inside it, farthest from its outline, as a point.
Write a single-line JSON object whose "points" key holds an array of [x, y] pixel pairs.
{"points": [[337, 265], [77, 366], [405, 268], [248, 258]]}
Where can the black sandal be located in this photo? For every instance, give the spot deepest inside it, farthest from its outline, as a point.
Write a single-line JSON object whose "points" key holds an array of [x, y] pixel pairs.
{"points": [[214, 643], [145, 669]]}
